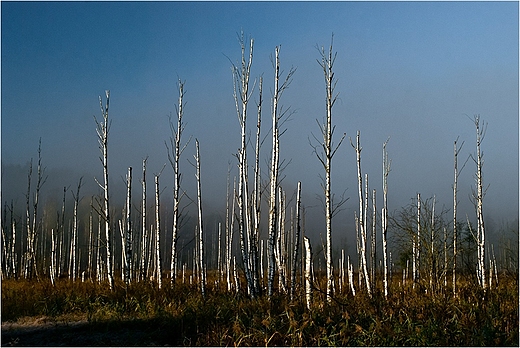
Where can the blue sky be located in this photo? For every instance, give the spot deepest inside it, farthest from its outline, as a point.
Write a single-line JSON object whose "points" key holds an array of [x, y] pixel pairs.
{"points": [[411, 71]]}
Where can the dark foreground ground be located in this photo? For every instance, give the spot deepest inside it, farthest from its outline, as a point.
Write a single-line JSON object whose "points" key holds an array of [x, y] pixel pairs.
{"points": [[44, 332]]}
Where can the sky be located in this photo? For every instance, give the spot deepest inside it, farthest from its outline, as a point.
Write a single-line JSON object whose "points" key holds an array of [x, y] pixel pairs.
{"points": [[414, 72]]}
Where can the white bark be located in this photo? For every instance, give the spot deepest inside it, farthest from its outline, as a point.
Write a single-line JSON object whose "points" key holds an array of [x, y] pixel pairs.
{"points": [[325, 151], [202, 265], [296, 241], [384, 218], [102, 132], [308, 272], [418, 240], [455, 179], [128, 239], [275, 162], [53, 257], [362, 217], [241, 95], [174, 155], [74, 241], [158, 270], [478, 198], [144, 235]]}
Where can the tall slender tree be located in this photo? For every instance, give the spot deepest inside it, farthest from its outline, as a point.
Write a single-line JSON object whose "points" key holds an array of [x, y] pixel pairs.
{"points": [[128, 229], [456, 150], [278, 117], [102, 129], [478, 197], [362, 216], [325, 151], [174, 154], [201, 259]]}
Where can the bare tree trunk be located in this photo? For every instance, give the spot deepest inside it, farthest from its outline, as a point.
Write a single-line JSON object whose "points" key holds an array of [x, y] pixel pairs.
{"points": [[308, 271], [274, 183], [325, 155], [257, 198], [478, 198], [241, 95], [158, 270], [230, 237], [174, 155], [13, 245], [144, 235], [384, 217], [129, 233], [432, 254], [202, 265], [418, 243], [455, 179], [53, 257], [90, 239], [74, 241], [102, 132], [362, 216], [296, 241], [373, 239], [27, 259]]}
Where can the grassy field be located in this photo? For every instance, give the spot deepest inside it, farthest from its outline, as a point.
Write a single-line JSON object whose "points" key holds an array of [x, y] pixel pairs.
{"points": [[75, 313]]}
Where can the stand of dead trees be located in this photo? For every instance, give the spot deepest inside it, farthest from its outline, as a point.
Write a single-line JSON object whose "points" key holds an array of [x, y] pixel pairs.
{"points": [[279, 260]]}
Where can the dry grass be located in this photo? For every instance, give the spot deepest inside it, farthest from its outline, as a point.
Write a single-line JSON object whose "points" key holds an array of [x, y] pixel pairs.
{"points": [[144, 315]]}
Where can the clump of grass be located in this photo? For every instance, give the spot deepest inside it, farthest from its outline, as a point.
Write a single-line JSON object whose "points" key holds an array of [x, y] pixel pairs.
{"points": [[179, 315]]}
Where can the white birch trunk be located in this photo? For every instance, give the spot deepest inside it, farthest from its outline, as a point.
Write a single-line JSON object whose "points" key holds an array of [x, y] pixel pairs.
{"points": [[144, 235], [274, 183], [308, 272], [362, 215], [202, 266], [418, 244], [102, 132], [296, 241], [128, 239], [158, 271]]}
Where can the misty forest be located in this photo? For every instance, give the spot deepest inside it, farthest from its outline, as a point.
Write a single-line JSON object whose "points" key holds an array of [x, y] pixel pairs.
{"points": [[159, 267]]}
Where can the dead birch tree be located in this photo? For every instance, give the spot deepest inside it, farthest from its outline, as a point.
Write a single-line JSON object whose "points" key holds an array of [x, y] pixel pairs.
{"points": [[257, 199], [278, 117], [74, 241], [296, 240], [456, 151], [128, 229], [201, 261], [242, 94], [174, 154], [326, 152], [308, 271], [478, 199], [102, 129], [417, 242], [384, 216], [157, 239], [362, 216], [144, 236]]}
